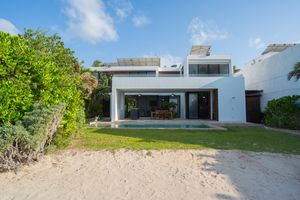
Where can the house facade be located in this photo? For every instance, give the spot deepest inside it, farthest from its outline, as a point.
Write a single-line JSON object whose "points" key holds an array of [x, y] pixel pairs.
{"points": [[202, 87], [268, 73]]}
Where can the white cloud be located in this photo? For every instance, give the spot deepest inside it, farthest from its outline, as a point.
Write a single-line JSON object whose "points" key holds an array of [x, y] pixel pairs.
{"points": [[256, 43], [88, 20], [167, 59], [8, 27], [205, 31], [140, 20], [122, 8]]}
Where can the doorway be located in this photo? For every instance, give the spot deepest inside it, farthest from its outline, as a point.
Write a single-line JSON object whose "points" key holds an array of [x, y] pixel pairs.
{"points": [[198, 105]]}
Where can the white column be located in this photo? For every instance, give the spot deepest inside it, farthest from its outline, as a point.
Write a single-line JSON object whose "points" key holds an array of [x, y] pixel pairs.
{"points": [[113, 105], [117, 105], [186, 68]]}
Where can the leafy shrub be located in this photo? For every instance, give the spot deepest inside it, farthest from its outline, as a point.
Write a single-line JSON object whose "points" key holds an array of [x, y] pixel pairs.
{"points": [[17, 62], [36, 67], [28, 139], [94, 105], [283, 112]]}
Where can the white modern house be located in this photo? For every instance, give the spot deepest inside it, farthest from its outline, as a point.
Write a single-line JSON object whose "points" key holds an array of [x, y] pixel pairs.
{"points": [[203, 87], [268, 73]]}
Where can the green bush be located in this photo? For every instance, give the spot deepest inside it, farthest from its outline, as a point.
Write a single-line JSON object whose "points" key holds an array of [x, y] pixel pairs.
{"points": [[14, 135], [94, 105], [283, 112], [28, 139], [35, 67]]}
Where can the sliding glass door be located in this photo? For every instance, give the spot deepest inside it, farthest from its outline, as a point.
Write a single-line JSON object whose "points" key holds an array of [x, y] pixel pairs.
{"points": [[193, 106], [198, 105]]}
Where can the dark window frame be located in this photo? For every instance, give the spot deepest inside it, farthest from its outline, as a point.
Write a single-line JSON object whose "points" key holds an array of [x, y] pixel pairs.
{"points": [[208, 69]]}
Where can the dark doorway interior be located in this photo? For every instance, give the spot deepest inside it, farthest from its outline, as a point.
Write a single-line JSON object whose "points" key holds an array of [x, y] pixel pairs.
{"points": [[215, 109], [106, 107], [149, 103], [253, 111], [198, 105], [204, 105]]}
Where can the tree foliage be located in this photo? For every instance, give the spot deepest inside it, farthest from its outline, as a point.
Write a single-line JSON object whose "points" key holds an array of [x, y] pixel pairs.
{"points": [[94, 105], [97, 63], [20, 77], [36, 67]]}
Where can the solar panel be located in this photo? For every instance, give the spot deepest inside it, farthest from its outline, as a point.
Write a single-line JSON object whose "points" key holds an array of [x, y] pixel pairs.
{"points": [[139, 61], [203, 50]]}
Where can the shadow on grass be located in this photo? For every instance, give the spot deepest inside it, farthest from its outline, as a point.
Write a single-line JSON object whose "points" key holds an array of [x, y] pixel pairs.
{"points": [[251, 139]]}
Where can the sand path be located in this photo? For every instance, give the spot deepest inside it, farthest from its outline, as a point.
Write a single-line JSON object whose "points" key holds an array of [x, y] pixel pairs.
{"points": [[182, 174]]}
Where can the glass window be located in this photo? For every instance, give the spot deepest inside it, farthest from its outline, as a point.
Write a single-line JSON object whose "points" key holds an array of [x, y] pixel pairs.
{"points": [[193, 105], [208, 69], [141, 74], [151, 74], [224, 69], [213, 69], [203, 69], [193, 69]]}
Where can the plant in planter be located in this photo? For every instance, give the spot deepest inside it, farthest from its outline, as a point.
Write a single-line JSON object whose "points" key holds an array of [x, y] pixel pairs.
{"points": [[170, 105]]}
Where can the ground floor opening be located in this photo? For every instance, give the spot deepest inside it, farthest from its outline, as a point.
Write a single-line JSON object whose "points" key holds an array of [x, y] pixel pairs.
{"points": [[202, 105], [196, 104], [148, 103]]}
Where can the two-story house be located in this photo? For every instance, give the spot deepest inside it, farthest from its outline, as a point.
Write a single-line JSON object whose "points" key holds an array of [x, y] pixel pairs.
{"points": [[203, 87]]}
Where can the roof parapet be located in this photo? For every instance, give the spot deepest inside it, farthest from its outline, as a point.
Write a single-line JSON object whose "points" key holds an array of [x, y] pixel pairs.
{"points": [[277, 48]]}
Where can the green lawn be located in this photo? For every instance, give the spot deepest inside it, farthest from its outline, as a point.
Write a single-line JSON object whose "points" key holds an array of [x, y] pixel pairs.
{"points": [[251, 139]]}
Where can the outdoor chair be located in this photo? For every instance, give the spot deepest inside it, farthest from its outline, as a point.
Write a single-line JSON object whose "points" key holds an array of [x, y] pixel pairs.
{"points": [[168, 115]]}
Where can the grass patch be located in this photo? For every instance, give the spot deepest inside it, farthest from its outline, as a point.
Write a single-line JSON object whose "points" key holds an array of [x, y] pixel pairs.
{"points": [[250, 139]]}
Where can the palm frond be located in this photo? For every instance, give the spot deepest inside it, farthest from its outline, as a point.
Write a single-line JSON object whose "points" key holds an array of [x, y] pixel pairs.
{"points": [[295, 73]]}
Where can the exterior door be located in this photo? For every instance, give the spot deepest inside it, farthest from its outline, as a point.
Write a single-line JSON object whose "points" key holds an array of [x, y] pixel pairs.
{"points": [[198, 105], [193, 106], [204, 105]]}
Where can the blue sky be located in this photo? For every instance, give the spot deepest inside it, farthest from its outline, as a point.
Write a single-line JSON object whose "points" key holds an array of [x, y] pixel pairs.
{"points": [[108, 29]]}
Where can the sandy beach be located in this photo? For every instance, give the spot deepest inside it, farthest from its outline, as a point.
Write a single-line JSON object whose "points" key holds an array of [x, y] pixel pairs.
{"points": [[182, 174]]}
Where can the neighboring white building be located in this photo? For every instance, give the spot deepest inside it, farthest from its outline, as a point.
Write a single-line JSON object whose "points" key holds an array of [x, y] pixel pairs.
{"points": [[269, 72], [203, 87]]}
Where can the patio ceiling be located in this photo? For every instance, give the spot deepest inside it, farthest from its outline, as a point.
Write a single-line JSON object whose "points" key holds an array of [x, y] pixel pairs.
{"points": [[165, 90]]}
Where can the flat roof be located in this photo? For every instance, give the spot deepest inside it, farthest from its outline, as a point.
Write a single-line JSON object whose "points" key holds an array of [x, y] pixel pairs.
{"points": [[124, 68]]}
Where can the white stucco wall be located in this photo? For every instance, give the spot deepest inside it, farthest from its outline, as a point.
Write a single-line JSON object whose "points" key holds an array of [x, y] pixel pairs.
{"points": [[270, 75], [231, 92]]}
